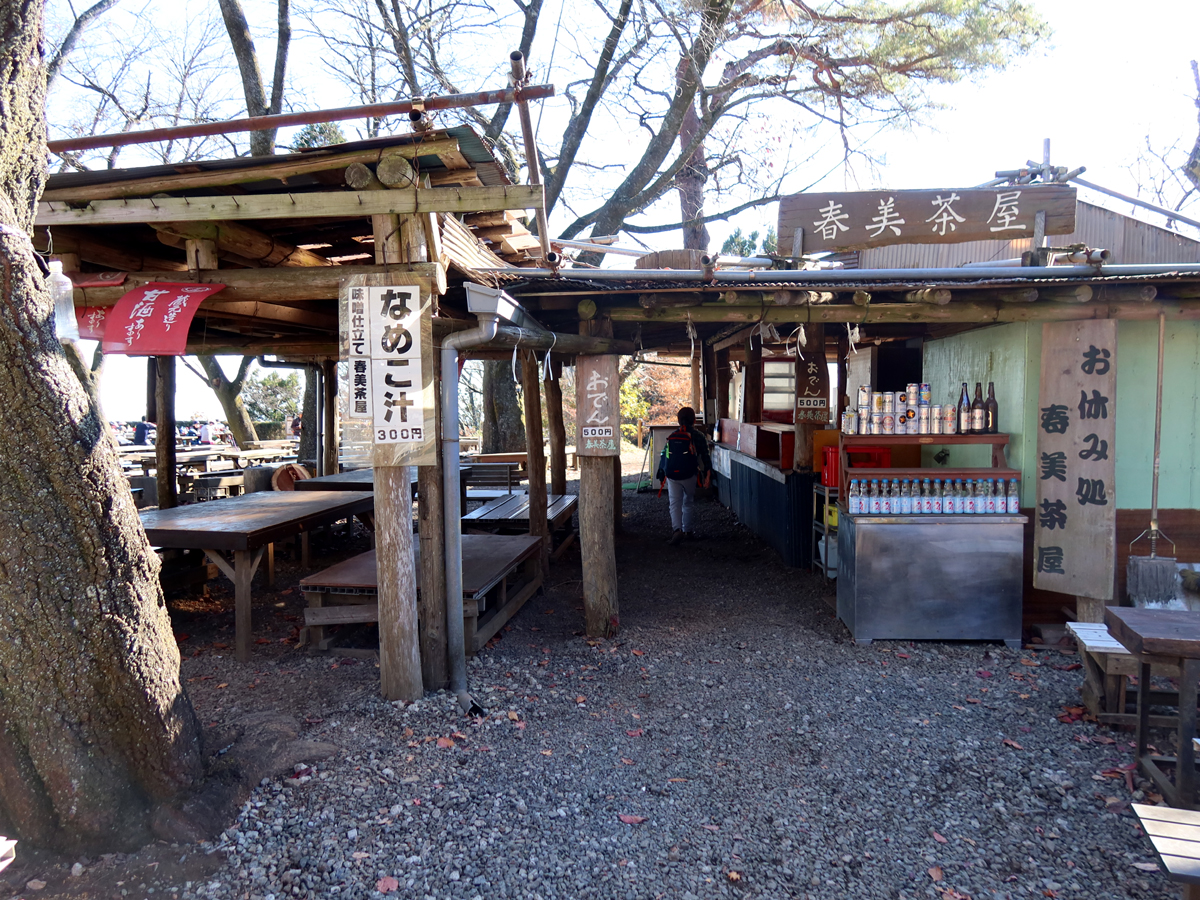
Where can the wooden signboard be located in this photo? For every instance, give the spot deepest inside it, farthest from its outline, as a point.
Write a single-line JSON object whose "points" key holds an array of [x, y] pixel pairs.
{"points": [[597, 407], [1075, 518], [812, 388], [854, 221]]}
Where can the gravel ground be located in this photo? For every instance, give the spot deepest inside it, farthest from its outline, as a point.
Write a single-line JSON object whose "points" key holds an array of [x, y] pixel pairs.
{"points": [[732, 741]]}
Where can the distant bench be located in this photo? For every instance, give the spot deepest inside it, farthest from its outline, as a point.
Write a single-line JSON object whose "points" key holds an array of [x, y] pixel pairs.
{"points": [[1175, 836]]}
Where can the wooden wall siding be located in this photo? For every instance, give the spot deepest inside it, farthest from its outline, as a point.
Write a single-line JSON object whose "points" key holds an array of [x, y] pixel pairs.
{"points": [[1182, 525], [1130, 240]]}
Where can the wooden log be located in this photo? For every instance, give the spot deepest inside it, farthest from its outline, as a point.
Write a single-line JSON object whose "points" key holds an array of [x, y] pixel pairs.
{"points": [[601, 609], [1007, 295], [399, 653], [861, 298], [286, 167], [532, 397], [396, 172], [739, 298], [361, 178], [940, 296], [127, 256], [234, 259], [202, 254], [322, 204], [245, 241], [1074, 293], [558, 433], [164, 447], [666, 301], [431, 603], [586, 309], [1121, 293], [330, 409], [802, 457]]}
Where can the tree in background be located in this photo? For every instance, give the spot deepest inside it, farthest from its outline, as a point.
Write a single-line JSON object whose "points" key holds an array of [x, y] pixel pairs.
{"points": [[262, 143], [737, 245], [229, 394], [272, 396], [318, 134]]}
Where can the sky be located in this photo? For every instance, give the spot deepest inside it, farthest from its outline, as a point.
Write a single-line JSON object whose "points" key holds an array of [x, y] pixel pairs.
{"points": [[1112, 74]]}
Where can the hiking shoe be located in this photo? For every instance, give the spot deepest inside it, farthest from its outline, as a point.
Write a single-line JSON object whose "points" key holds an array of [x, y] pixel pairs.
{"points": [[676, 537], [691, 536]]}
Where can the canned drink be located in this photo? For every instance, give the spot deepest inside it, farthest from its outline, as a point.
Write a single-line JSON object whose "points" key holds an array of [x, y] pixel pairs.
{"points": [[849, 422], [901, 425], [889, 424], [950, 419], [923, 420], [926, 395], [876, 402], [864, 395], [864, 419], [876, 423], [889, 403], [912, 389], [902, 401], [911, 415], [935, 420]]}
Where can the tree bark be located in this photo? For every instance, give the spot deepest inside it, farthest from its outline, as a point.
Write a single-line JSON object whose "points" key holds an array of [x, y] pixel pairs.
{"points": [[229, 394], [96, 732], [262, 143], [558, 433], [308, 420], [166, 472], [690, 184], [503, 431]]}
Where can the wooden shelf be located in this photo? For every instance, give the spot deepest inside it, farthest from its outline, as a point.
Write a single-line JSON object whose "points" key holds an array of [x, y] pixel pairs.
{"points": [[941, 472], [998, 469], [936, 439]]}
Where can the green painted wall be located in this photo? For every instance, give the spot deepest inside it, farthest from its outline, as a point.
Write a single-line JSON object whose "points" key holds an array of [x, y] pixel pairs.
{"points": [[1010, 356]]}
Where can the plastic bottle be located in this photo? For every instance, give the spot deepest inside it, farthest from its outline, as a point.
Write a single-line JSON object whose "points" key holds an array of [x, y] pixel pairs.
{"points": [[969, 497], [905, 498], [876, 502], [980, 497], [1014, 497], [937, 497], [991, 496], [62, 291]]}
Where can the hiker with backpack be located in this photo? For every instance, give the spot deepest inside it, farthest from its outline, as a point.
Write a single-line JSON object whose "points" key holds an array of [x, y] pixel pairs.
{"points": [[683, 465]]}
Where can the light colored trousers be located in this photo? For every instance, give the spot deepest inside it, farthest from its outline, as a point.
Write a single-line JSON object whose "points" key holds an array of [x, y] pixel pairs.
{"points": [[682, 494]]}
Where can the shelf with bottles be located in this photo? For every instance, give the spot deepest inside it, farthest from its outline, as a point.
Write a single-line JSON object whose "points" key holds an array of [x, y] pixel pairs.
{"points": [[898, 495], [999, 468]]}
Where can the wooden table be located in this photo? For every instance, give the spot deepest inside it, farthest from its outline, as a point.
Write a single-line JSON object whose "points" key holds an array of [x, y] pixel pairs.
{"points": [[490, 596], [244, 527], [512, 511], [1164, 637], [364, 480], [241, 458], [1175, 836]]}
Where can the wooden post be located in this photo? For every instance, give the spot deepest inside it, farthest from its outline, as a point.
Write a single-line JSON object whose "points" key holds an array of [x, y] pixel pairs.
{"points": [[1088, 609], [843, 389], [558, 433], [803, 457], [709, 388], [722, 378], [752, 383], [399, 654], [329, 380], [618, 491], [164, 448], [431, 602], [596, 528], [531, 372], [697, 396]]}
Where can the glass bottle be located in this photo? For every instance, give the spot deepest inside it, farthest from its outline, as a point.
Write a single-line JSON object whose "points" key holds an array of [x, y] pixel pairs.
{"points": [[62, 292], [1014, 497], [969, 497], [876, 502], [937, 497], [949, 498], [978, 412], [964, 411], [991, 497], [980, 497], [958, 505], [885, 500], [926, 498], [852, 497], [906, 508], [992, 409]]}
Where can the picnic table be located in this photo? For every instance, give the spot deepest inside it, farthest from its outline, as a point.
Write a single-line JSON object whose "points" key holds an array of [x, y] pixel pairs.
{"points": [[511, 512], [242, 458], [184, 459], [499, 573], [246, 526], [1171, 638], [364, 480]]}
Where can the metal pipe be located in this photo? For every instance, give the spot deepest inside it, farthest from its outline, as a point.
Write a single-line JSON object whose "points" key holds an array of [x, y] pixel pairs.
{"points": [[532, 159], [599, 248], [825, 276], [266, 123], [1162, 330], [1136, 202], [1085, 256], [993, 263], [754, 262], [451, 503]]}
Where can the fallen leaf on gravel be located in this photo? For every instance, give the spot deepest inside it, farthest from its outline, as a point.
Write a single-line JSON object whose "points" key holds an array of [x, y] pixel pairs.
{"points": [[902, 656], [983, 673], [444, 743], [581, 699], [676, 780], [387, 885], [637, 732], [182, 637], [360, 855], [459, 735], [935, 872], [261, 641], [1146, 867], [1049, 893], [1029, 662], [735, 876], [223, 684], [639, 652], [710, 827], [626, 761], [971, 700], [937, 837], [631, 820], [548, 612], [512, 716], [547, 753], [1009, 742], [1071, 668], [35, 885], [1102, 739], [963, 708], [1023, 696]]}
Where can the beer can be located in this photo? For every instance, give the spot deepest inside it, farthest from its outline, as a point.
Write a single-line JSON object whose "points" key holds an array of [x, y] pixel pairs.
{"points": [[864, 395], [911, 415], [901, 401], [923, 420], [849, 422], [876, 402], [913, 389], [901, 425], [889, 424], [864, 419], [935, 420], [889, 403], [950, 419], [876, 423], [926, 395]]}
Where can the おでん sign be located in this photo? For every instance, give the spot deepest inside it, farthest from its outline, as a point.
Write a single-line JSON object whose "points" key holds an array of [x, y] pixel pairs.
{"points": [[597, 408], [1075, 518]]}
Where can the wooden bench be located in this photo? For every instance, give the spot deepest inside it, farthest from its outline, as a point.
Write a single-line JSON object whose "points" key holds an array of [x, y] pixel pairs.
{"points": [[510, 515], [1175, 836], [1107, 667], [500, 572], [8, 852], [507, 475]]}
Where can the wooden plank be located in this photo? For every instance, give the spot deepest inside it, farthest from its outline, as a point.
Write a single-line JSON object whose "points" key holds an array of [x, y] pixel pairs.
{"points": [[1167, 814], [248, 243], [1075, 526], [272, 312], [399, 647], [123, 256], [341, 615], [558, 434], [286, 167], [488, 629], [1156, 632], [324, 204]]}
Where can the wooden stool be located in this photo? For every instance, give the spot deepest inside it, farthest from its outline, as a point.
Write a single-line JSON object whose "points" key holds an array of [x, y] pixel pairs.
{"points": [[1175, 835], [1107, 666]]}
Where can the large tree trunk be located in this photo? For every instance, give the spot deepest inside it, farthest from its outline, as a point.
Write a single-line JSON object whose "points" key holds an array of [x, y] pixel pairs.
{"points": [[503, 427], [97, 736], [262, 143], [229, 393], [690, 185], [308, 420]]}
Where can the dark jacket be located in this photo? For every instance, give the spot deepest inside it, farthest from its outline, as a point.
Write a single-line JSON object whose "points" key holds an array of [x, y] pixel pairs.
{"points": [[703, 461]]}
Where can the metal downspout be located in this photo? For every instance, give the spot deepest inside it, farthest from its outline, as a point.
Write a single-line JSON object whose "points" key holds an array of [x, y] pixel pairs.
{"points": [[452, 504]]}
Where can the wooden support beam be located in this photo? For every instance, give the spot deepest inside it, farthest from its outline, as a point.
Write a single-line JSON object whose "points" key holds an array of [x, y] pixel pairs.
{"points": [[940, 296], [532, 396], [123, 257], [1074, 293], [361, 178], [1122, 293], [802, 298], [324, 204], [201, 254], [723, 376], [558, 433], [736, 339], [597, 542], [164, 447], [286, 167], [396, 172], [272, 312], [245, 242], [330, 409], [802, 457], [399, 651], [861, 298], [737, 298], [1007, 295], [431, 602], [752, 383]]}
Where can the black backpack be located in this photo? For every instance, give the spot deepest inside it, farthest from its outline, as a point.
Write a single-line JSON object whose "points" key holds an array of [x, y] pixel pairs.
{"points": [[679, 455]]}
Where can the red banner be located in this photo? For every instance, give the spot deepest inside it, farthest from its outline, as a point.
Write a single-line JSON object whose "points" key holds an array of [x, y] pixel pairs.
{"points": [[91, 321], [153, 320]]}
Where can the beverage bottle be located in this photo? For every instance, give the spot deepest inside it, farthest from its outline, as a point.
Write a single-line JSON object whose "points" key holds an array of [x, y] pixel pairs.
{"points": [[960, 506], [964, 411], [1014, 497], [896, 497], [926, 498], [991, 496], [905, 498], [978, 412], [852, 497], [937, 497], [876, 502], [1001, 497], [969, 497], [980, 497], [62, 292], [993, 410], [885, 499], [949, 498]]}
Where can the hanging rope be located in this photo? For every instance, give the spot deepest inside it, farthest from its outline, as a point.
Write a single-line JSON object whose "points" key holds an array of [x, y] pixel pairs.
{"points": [[516, 378], [547, 370], [852, 335], [692, 335]]}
